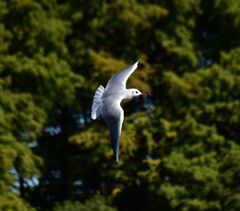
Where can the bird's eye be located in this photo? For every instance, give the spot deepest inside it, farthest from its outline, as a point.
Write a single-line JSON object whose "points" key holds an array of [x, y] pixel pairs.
{"points": [[136, 92]]}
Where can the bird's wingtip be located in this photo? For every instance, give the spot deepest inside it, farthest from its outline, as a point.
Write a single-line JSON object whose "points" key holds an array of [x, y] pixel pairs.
{"points": [[93, 116], [135, 65]]}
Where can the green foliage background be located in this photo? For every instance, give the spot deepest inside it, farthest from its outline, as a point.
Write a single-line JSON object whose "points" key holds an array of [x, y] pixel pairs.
{"points": [[180, 147]]}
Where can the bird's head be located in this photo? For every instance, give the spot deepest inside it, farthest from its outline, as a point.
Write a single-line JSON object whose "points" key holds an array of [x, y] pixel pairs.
{"points": [[131, 93], [136, 92]]}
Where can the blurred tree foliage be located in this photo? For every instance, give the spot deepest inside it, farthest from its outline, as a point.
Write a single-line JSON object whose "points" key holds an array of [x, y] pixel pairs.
{"points": [[95, 203], [179, 148]]}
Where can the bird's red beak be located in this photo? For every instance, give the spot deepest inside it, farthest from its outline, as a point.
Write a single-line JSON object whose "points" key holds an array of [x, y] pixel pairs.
{"points": [[143, 94]]}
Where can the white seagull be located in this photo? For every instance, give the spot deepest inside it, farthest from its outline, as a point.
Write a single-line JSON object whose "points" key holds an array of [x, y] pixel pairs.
{"points": [[106, 102]]}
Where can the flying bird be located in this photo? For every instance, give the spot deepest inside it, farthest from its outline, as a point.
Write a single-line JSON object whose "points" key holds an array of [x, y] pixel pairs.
{"points": [[107, 103]]}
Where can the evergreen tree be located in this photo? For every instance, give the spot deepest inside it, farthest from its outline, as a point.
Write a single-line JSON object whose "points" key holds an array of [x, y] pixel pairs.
{"points": [[179, 148]]}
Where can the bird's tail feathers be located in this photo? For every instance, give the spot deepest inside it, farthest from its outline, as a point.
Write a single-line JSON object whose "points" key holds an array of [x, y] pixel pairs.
{"points": [[96, 106]]}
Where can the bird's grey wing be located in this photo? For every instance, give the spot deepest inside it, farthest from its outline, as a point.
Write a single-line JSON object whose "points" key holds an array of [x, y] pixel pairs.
{"points": [[115, 132], [113, 115], [119, 80]]}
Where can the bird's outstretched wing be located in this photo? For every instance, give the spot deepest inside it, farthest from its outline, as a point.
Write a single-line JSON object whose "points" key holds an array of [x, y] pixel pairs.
{"points": [[113, 115], [115, 131], [119, 80]]}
